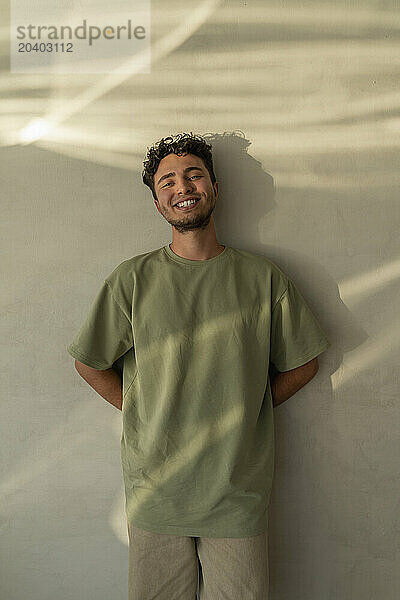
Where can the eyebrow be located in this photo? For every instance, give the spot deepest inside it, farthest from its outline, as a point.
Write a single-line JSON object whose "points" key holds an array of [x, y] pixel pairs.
{"points": [[173, 173]]}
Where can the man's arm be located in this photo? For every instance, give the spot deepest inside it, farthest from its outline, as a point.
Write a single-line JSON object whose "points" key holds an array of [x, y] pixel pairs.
{"points": [[106, 383], [287, 383]]}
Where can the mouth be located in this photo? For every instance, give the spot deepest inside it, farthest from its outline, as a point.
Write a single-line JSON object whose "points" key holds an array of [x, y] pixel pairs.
{"points": [[192, 201]]}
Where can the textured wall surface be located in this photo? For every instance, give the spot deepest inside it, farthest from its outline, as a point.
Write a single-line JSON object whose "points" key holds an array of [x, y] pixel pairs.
{"points": [[311, 182]]}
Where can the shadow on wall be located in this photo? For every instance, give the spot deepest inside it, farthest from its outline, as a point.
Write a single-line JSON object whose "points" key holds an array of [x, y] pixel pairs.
{"points": [[246, 191]]}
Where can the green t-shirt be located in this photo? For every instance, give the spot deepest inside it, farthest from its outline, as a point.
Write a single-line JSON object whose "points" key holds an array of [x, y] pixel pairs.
{"points": [[194, 341]]}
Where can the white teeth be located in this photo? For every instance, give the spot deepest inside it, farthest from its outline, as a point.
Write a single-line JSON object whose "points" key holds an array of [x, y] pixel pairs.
{"points": [[186, 203]]}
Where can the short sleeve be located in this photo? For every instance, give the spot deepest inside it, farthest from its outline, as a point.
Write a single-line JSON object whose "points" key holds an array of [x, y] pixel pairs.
{"points": [[105, 335], [296, 335]]}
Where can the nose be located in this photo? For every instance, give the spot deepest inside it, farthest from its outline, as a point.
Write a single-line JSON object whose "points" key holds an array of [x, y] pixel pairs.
{"points": [[184, 187]]}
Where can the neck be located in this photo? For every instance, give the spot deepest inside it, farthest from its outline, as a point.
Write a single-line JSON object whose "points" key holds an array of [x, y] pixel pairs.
{"points": [[196, 247]]}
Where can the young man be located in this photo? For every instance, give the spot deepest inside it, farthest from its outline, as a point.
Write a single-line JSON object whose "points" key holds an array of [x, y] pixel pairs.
{"points": [[196, 324]]}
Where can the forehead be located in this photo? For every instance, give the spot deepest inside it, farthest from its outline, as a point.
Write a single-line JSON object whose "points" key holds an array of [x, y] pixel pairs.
{"points": [[173, 162]]}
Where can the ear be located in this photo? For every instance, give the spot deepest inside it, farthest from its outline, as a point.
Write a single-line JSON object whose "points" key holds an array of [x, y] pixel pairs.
{"points": [[215, 186]]}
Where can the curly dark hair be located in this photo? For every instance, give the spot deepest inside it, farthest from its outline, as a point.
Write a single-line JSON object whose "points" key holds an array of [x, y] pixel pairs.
{"points": [[180, 143]]}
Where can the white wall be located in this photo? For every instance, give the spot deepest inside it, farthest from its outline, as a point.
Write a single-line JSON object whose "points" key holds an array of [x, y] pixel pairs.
{"points": [[312, 184]]}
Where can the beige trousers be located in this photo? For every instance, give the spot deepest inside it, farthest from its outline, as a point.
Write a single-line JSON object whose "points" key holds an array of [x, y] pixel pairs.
{"points": [[170, 567]]}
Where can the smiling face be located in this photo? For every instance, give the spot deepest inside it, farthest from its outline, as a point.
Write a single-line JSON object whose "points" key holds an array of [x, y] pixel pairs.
{"points": [[184, 177]]}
